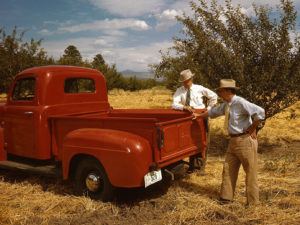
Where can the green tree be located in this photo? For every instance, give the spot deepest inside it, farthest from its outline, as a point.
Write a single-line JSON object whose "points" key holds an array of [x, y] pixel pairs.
{"points": [[98, 61], [113, 78], [17, 55], [134, 84], [71, 57], [223, 42]]}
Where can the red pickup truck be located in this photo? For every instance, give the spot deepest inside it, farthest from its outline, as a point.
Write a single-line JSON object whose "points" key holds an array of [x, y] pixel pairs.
{"points": [[59, 117]]}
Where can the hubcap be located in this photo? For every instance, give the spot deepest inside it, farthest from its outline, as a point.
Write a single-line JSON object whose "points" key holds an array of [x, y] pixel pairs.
{"points": [[93, 182]]}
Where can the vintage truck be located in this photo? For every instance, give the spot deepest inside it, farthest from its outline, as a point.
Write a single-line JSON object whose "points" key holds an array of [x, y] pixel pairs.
{"points": [[59, 118]]}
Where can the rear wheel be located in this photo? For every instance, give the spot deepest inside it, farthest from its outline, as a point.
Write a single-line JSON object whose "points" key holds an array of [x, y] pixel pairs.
{"points": [[91, 180]]}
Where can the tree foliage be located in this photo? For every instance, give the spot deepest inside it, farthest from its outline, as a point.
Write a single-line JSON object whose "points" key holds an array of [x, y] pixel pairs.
{"points": [[223, 42], [113, 78], [71, 57], [17, 55]]}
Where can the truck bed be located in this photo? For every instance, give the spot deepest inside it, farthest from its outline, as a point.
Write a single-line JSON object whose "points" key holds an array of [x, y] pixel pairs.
{"points": [[173, 135]]}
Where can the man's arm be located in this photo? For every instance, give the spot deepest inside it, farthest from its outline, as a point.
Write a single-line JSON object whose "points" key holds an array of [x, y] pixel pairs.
{"points": [[176, 100], [252, 129], [258, 115], [200, 115], [212, 97], [212, 113]]}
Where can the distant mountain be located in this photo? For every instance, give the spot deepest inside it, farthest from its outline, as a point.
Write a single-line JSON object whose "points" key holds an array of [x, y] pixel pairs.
{"points": [[138, 75]]}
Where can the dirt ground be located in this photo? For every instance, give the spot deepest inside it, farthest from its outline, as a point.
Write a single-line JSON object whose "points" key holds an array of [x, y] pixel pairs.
{"points": [[192, 199]]}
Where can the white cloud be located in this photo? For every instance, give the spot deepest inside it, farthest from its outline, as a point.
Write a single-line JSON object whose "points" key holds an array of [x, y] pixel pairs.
{"points": [[167, 19], [107, 24], [45, 32], [248, 11], [134, 58], [102, 43], [129, 8], [56, 22], [169, 14], [139, 57]]}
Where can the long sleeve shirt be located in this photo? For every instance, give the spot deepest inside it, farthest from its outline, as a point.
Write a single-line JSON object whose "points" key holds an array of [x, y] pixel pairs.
{"points": [[241, 113], [196, 97]]}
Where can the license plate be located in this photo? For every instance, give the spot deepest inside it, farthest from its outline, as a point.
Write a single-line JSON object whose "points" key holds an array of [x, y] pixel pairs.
{"points": [[152, 177]]}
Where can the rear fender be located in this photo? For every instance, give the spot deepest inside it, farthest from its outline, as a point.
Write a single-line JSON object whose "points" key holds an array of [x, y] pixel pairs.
{"points": [[126, 157]]}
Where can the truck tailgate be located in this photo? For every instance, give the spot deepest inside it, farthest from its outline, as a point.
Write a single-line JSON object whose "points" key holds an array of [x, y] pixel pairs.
{"points": [[180, 138]]}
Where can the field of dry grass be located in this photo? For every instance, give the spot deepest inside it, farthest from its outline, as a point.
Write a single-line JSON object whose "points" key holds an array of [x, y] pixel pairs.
{"points": [[29, 199]]}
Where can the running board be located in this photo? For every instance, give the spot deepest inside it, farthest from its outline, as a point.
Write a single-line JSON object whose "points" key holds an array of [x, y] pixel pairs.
{"points": [[47, 170]]}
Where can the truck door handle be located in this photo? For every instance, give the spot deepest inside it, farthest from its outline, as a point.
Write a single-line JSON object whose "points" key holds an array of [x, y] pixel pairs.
{"points": [[160, 138], [28, 113]]}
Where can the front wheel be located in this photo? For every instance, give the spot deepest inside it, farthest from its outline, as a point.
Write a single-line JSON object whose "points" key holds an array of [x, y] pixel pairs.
{"points": [[91, 180]]}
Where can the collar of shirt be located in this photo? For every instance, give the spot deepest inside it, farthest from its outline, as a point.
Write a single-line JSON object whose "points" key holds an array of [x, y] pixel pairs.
{"points": [[232, 100], [191, 87]]}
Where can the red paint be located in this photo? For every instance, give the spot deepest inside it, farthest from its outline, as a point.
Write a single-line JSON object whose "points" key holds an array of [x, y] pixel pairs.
{"points": [[60, 126]]}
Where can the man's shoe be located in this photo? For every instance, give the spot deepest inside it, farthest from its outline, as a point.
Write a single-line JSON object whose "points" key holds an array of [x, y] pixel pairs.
{"points": [[190, 170], [223, 201]]}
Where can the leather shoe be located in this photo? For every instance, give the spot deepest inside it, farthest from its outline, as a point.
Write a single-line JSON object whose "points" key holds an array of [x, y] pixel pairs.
{"points": [[223, 201], [190, 170]]}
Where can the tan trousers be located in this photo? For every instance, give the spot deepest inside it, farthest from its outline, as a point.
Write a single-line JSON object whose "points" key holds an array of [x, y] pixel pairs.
{"points": [[241, 150]]}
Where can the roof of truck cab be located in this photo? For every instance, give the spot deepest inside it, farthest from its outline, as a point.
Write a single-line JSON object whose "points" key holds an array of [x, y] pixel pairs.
{"points": [[46, 69]]}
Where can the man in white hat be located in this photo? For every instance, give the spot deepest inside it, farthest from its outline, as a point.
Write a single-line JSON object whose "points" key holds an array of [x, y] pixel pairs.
{"points": [[242, 148], [189, 97]]}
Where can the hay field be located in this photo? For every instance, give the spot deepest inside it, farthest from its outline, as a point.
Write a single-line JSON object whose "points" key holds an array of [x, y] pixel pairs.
{"points": [[2, 97], [28, 199]]}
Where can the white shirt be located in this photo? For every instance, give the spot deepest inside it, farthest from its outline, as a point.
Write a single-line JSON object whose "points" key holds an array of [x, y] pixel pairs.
{"points": [[241, 112], [196, 100]]}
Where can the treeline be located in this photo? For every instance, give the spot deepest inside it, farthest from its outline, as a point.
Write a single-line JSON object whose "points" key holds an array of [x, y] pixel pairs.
{"points": [[17, 55]]}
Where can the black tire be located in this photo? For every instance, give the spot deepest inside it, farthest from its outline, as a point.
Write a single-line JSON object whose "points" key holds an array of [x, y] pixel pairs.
{"points": [[91, 180]]}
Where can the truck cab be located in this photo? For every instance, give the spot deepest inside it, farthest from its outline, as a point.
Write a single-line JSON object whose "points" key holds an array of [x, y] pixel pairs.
{"points": [[36, 95]]}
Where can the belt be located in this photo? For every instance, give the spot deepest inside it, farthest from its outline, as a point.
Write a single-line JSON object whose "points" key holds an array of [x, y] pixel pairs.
{"points": [[237, 135]]}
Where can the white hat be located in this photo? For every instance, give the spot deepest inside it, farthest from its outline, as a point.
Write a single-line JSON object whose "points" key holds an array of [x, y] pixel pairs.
{"points": [[186, 75], [227, 83]]}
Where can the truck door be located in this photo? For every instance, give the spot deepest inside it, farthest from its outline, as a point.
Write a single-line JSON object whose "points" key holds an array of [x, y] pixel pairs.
{"points": [[20, 116]]}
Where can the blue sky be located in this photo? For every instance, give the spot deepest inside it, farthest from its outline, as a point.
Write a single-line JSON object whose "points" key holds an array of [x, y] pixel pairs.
{"points": [[129, 33]]}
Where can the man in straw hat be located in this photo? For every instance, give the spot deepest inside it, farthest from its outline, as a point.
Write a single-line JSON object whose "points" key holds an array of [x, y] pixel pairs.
{"points": [[189, 97], [181, 101], [241, 120]]}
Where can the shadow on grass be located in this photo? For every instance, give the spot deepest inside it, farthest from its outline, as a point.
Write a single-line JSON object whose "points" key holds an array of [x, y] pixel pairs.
{"points": [[218, 145], [61, 187]]}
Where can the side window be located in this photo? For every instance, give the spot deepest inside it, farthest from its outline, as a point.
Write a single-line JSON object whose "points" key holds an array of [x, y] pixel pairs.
{"points": [[24, 89], [79, 85]]}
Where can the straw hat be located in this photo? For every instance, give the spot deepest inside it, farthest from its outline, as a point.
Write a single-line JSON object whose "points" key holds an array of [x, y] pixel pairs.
{"points": [[185, 75], [227, 83]]}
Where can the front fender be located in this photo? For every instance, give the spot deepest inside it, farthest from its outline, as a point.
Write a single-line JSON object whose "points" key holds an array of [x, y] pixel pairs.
{"points": [[126, 157]]}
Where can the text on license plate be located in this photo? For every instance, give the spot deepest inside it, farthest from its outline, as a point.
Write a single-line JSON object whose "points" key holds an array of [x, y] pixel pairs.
{"points": [[152, 177]]}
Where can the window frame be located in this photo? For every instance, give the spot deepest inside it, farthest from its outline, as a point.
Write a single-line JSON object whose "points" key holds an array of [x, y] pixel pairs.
{"points": [[77, 79], [30, 99]]}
